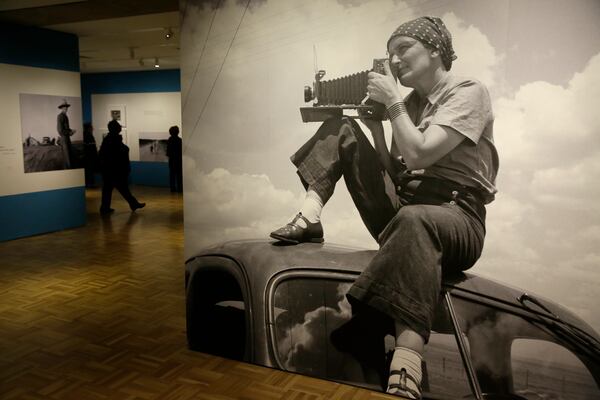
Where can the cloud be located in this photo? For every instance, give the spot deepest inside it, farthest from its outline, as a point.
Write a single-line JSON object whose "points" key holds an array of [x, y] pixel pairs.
{"points": [[507, 248], [574, 188], [550, 164], [544, 125], [549, 160], [588, 235], [220, 206], [300, 339], [476, 57]]}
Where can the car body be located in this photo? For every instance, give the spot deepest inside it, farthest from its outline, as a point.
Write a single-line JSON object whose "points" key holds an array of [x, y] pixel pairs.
{"points": [[285, 307]]}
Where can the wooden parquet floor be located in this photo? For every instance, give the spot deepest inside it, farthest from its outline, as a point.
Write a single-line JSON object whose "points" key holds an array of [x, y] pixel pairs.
{"points": [[98, 312]]}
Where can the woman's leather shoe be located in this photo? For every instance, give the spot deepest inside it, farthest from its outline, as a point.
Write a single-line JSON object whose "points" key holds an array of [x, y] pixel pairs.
{"points": [[294, 233]]}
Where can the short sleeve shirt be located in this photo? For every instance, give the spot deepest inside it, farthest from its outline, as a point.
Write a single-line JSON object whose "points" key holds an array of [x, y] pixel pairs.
{"points": [[465, 106]]}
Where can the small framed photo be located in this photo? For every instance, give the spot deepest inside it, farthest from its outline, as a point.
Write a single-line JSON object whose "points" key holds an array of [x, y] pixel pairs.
{"points": [[117, 112]]}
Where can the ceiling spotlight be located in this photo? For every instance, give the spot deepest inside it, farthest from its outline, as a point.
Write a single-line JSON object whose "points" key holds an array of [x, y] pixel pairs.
{"points": [[169, 33], [156, 64]]}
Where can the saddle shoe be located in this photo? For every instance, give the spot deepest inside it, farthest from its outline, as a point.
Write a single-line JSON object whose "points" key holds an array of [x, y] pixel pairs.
{"points": [[294, 233]]}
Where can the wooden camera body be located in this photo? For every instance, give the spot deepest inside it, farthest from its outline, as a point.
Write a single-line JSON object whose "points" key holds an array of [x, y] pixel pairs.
{"points": [[333, 97]]}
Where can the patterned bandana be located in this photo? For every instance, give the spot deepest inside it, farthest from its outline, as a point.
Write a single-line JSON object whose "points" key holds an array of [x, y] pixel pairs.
{"points": [[430, 31]]}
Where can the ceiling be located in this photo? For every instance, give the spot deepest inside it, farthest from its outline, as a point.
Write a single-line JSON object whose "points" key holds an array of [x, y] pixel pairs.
{"points": [[126, 35]]}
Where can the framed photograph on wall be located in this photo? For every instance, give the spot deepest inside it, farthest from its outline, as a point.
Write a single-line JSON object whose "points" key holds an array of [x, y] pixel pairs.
{"points": [[117, 112], [51, 131], [153, 146]]}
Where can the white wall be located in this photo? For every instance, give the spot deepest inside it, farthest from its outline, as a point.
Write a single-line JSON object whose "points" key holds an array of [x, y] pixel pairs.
{"points": [[18, 79], [145, 112]]}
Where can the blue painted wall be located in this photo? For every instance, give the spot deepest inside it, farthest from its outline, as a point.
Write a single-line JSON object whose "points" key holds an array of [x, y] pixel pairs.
{"points": [[30, 214], [37, 47], [150, 173], [34, 213], [142, 173]]}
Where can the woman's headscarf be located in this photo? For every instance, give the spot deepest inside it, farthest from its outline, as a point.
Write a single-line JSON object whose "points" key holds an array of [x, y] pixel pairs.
{"points": [[432, 32]]}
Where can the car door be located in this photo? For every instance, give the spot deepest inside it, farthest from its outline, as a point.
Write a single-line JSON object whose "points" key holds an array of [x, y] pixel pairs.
{"points": [[312, 331], [518, 354]]}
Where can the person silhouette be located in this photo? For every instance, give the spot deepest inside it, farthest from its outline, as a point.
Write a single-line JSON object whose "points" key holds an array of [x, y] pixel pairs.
{"points": [[174, 152], [90, 154], [115, 167]]}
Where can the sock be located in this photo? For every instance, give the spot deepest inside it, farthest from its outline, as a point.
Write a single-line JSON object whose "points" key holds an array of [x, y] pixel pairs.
{"points": [[406, 363], [312, 207]]}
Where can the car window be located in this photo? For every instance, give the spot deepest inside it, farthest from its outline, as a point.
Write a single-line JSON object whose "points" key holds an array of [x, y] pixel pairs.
{"points": [[306, 312], [513, 355], [311, 312], [546, 370], [445, 376]]}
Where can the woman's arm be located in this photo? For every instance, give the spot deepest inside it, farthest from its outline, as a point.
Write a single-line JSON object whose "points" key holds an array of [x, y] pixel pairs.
{"points": [[419, 149], [377, 132]]}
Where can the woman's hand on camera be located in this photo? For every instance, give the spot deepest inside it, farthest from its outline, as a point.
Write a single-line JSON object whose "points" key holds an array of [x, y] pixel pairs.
{"points": [[382, 87]]}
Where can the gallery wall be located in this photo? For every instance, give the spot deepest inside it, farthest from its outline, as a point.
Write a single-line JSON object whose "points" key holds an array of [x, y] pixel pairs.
{"points": [[46, 63], [152, 103]]}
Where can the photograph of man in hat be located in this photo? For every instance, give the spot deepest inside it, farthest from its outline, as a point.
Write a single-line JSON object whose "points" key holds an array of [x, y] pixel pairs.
{"points": [[65, 132]]}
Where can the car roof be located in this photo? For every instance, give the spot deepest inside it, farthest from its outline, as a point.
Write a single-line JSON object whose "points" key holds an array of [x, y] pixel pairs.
{"points": [[263, 259]]}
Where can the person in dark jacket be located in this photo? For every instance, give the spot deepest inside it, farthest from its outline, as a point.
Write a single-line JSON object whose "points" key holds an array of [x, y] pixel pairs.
{"points": [[174, 152], [90, 154], [115, 167]]}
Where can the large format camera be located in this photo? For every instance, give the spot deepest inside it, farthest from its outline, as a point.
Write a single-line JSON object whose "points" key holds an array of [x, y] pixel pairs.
{"points": [[333, 97]]}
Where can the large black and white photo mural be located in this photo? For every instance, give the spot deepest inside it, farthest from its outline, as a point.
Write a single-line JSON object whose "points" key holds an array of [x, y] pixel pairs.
{"points": [[505, 92], [51, 131]]}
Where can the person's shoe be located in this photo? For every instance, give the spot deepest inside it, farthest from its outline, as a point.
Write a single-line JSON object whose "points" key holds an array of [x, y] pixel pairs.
{"points": [[294, 233], [406, 373], [138, 205], [105, 211], [406, 386]]}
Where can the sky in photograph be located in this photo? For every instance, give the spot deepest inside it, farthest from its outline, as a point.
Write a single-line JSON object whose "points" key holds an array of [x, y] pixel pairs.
{"points": [[243, 73]]}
